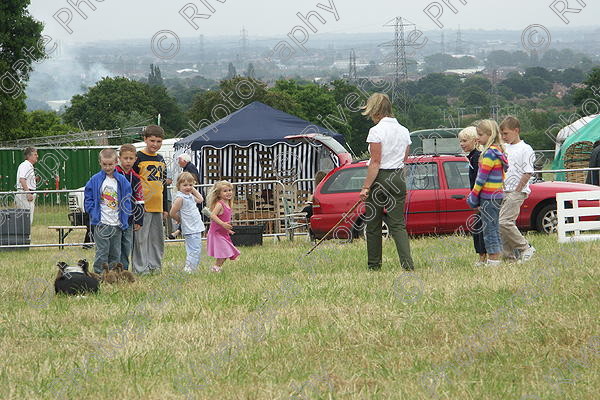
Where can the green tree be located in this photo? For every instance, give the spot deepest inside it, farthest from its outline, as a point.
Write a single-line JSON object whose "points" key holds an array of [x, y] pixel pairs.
{"points": [[474, 96], [590, 94], [105, 104], [437, 63], [540, 72], [233, 94], [155, 77], [478, 81], [134, 118], [231, 71], [348, 99], [535, 80], [43, 123], [499, 58], [251, 72], [20, 45], [571, 75], [439, 85]]}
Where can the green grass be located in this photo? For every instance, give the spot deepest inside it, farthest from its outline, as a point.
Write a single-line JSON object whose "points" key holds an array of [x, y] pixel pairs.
{"points": [[275, 325]]}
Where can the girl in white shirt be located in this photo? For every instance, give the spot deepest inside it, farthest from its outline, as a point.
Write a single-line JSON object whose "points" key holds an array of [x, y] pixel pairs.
{"points": [[185, 212]]}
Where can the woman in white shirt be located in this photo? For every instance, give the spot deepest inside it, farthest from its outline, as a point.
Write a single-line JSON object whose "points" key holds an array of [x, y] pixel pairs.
{"points": [[385, 185]]}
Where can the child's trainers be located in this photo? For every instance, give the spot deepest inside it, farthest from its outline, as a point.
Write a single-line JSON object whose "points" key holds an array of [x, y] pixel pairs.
{"points": [[527, 254], [215, 268], [493, 263]]}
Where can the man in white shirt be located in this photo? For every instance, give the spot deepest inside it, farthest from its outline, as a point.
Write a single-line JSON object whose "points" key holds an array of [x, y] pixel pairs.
{"points": [[26, 181], [516, 189]]}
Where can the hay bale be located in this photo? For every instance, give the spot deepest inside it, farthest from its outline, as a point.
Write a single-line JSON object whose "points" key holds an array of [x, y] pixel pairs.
{"points": [[578, 156]]}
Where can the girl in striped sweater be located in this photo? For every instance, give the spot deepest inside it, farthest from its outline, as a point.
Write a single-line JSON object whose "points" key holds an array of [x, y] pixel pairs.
{"points": [[487, 193]]}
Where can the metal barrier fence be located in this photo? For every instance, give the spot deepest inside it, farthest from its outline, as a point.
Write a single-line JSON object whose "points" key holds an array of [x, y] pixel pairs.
{"points": [[59, 219]]}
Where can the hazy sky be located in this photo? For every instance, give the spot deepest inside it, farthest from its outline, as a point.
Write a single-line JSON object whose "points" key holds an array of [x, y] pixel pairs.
{"points": [[127, 19]]}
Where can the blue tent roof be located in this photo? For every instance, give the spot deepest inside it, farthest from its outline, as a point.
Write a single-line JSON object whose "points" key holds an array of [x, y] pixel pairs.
{"points": [[254, 123]]}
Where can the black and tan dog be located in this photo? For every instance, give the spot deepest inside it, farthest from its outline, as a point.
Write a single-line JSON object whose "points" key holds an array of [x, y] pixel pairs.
{"points": [[123, 275], [108, 275], [73, 280]]}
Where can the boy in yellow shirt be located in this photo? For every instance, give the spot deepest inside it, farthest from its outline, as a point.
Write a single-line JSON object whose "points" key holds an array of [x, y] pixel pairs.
{"points": [[149, 241]]}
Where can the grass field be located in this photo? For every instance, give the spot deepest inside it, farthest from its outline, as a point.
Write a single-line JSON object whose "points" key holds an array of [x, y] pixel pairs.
{"points": [[275, 325]]}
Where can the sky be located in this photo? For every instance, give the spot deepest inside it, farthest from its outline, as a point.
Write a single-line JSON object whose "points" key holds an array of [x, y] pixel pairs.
{"points": [[139, 19]]}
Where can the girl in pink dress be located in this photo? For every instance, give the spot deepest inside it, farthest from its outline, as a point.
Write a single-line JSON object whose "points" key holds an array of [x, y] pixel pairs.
{"points": [[219, 244]]}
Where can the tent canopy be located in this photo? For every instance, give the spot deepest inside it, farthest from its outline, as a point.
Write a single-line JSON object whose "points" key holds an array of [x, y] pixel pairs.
{"points": [[252, 124], [588, 133], [569, 130]]}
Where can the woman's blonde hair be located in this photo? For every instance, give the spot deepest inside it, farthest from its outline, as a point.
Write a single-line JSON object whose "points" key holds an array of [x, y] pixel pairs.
{"points": [[490, 127], [470, 133], [185, 177], [215, 191], [379, 104]]}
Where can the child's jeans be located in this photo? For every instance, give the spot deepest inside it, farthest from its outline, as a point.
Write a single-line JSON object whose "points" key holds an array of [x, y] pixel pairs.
{"points": [[477, 231], [490, 216], [108, 245], [126, 246], [193, 248]]}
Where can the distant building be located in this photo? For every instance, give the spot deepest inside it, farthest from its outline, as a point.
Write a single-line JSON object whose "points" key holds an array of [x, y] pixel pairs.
{"points": [[464, 71], [56, 105], [559, 90], [187, 70]]}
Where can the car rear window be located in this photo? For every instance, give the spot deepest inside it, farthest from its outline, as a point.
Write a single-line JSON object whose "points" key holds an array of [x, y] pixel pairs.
{"points": [[345, 181]]}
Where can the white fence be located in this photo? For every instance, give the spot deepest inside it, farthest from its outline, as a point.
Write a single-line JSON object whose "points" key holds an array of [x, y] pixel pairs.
{"points": [[570, 214]]}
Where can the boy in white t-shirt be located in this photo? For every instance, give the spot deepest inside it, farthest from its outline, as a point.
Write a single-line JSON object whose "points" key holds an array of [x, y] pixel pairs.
{"points": [[516, 189], [108, 201]]}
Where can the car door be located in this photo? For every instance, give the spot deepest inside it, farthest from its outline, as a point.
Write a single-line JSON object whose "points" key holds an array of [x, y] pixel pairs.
{"points": [[422, 209], [455, 188], [334, 197]]}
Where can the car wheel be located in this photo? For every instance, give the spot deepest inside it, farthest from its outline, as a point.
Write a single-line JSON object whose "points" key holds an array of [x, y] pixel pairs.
{"points": [[361, 231], [547, 219]]}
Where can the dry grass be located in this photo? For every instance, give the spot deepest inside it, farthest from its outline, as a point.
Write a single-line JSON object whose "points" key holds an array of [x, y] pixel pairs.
{"points": [[275, 325]]}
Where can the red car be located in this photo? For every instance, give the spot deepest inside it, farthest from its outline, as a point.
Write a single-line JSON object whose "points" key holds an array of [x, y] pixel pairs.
{"points": [[435, 201]]}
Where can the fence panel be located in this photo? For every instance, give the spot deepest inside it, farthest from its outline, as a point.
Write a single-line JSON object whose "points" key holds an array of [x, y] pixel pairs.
{"points": [[60, 221], [578, 212]]}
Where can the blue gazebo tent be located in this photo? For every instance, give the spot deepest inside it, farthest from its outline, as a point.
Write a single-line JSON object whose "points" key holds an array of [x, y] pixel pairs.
{"points": [[249, 145]]}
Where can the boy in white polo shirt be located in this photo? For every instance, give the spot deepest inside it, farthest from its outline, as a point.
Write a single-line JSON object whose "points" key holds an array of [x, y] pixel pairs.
{"points": [[516, 189]]}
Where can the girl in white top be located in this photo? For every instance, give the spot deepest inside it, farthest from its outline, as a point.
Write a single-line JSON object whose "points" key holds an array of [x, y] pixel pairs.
{"points": [[185, 212], [385, 185]]}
